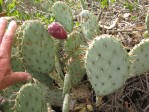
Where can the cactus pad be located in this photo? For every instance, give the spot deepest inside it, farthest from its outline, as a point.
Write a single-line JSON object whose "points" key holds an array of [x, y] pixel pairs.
{"points": [[42, 78], [72, 44], [107, 65], [16, 63], [76, 72], [89, 24], [30, 99], [66, 103], [139, 57], [63, 15], [8, 106], [12, 90], [37, 47], [54, 96]]}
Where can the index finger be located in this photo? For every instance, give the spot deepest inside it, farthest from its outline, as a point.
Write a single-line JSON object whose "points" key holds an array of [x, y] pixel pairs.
{"points": [[8, 38], [3, 24]]}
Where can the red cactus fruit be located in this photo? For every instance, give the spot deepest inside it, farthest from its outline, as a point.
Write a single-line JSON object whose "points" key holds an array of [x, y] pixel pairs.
{"points": [[57, 30]]}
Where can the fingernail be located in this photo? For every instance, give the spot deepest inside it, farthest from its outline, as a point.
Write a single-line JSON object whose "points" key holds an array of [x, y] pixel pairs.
{"points": [[29, 78], [12, 27], [13, 23]]}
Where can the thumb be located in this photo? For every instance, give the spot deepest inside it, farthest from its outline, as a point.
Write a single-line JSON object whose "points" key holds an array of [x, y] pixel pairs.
{"points": [[14, 78]]}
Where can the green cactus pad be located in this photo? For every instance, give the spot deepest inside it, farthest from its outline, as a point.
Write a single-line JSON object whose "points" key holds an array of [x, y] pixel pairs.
{"points": [[89, 24], [66, 103], [72, 44], [8, 106], [10, 94], [58, 67], [12, 90], [54, 96], [139, 57], [56, 77], [107, 65], [42, 78], [47, 4], [63, 15], [67, 84], [58, 63], [16, 63], [37, 47], [76, 71], [19, 34], [30, 99]]}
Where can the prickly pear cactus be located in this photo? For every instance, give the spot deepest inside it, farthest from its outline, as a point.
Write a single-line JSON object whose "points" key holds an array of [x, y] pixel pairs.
{"points": [[9, 95], [58, 63], [58, 67], [56, 77], [67, 84], [30, 99], [80, 92], [76, 71], [11, 91], [66, 103], [8, 106], [107, 65], [89, 24], [47, 4], [72, 44], [19, 34], [16, 63], [147, 21], [63, 15], [37, 47], [42, 78], [53, 96], [139, 57]]}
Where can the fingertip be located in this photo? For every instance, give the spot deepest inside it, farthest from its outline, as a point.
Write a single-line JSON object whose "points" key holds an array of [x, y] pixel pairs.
{"points": [[13, 22], [8, 37], [3, 20], [29, 78], [23, 76], [12, 26]]}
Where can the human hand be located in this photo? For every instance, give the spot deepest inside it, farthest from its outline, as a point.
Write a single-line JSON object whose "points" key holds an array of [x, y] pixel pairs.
{"points": [[7, 76]]}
